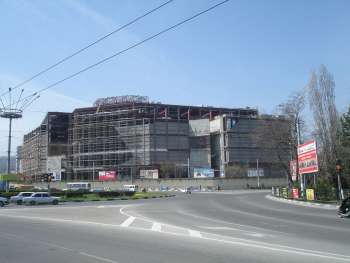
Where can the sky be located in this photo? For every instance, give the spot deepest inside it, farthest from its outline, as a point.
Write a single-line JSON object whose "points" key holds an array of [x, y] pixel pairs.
{"points": [[245, 53]]}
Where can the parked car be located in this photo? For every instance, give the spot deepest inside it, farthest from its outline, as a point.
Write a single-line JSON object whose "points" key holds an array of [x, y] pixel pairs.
{"points": [[3, 201], [40, 198], [18, 199], [130, 188]]}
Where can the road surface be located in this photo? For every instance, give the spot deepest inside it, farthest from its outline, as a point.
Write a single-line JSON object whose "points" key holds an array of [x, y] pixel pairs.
{"points": [[239, 226]]}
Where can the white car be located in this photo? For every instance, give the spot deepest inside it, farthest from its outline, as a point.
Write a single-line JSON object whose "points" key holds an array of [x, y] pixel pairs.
{"points": [[3, 201], [40, 198], [18, 199]]}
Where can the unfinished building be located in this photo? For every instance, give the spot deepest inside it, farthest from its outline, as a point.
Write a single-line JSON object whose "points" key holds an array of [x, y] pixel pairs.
{"points": [[130, 135]]}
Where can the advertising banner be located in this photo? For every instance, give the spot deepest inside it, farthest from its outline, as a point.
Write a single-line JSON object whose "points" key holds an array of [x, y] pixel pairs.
{"points": [[293, 169], [149, 174], [295, 192], [284, 192], [307, 158], [107, 175], [203, 173], [310, 194], [55, 176], [255, 172]]}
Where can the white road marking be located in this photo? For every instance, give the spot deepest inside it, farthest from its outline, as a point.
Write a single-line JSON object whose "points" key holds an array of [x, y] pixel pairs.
{"points": [[256, 235], [194, 233], [101, 206], [157, 227], [98, 258], [228, 240], [218, 227], [128, 221]]}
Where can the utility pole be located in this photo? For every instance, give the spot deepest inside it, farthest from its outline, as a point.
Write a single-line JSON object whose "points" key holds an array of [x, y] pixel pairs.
{"points": [[9, 147], [188, 167], [257, 172], [300, 175]]}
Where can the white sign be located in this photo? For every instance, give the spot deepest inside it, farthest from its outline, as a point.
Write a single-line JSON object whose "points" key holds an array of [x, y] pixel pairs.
{"points": [[149, 174], [253, 172], [56, 176]]}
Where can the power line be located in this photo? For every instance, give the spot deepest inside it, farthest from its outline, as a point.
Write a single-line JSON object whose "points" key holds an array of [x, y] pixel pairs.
{"points": [[86, 47], [127, 49]]}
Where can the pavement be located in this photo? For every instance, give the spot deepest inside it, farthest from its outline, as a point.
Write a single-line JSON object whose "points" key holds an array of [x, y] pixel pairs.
{"points": [[236, 226], [303, 203]]}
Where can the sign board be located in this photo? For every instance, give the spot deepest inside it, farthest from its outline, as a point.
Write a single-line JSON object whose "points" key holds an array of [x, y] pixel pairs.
{"points": [[149, 174], [203, 173], [310, 194], [293, 170], [277, 191], [255, 172], [307, 157], [107, 175], [284, 192], [295, 193], [55, 176]]}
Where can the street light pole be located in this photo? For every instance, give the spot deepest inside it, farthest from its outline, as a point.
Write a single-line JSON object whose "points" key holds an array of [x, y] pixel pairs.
{"points": [[257, 172]]}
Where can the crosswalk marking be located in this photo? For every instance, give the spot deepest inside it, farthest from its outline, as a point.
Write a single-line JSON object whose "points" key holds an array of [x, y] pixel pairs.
{"points": [[156, 227], [194, 233], [128, 221]]}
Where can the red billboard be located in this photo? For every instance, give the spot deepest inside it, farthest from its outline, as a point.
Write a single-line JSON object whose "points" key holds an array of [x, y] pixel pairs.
{"points": [[107, 175], [307, 157], [295, 193]]}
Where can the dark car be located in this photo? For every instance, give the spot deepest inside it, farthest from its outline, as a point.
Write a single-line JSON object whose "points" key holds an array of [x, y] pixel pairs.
{"points": [[3, 201]]}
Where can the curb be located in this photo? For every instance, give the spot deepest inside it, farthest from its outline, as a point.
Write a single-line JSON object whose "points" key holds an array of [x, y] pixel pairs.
{"points": [[302, 203]]}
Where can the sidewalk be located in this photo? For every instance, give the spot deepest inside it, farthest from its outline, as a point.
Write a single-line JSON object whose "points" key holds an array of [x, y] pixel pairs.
{"points": [[302, 203]]}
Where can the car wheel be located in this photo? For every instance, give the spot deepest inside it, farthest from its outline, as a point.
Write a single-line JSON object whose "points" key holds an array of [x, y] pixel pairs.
{"points": [[1, 204], [55, 202], [32, 202], [19, 202]]}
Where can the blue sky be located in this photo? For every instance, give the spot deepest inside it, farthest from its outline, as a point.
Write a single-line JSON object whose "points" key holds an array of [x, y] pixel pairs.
{"points": [[244, 53]]}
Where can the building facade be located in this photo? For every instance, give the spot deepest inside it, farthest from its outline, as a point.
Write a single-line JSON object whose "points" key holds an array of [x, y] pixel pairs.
{"points": [[130, 135]]}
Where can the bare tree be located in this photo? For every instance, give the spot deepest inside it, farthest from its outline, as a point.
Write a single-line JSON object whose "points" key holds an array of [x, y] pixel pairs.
{"points": [[279, 136], [326, 118]]}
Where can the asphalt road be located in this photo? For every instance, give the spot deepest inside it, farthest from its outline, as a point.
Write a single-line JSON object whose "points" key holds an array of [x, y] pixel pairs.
{"points": [[240, 226]]}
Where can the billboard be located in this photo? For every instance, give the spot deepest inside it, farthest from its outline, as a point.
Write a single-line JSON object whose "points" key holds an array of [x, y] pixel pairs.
{"points": [[149, 174], [307, 158], [310, 194], [293, 169], [255, 172], [203, 173], [107, 175], [295, 193], [55, 176]]}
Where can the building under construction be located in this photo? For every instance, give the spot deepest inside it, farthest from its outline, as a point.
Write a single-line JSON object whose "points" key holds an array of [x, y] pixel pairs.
{"points": [[130, 135]]}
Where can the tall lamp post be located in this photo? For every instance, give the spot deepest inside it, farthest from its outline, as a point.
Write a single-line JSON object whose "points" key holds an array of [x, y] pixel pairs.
{"points": [[10, 114]]}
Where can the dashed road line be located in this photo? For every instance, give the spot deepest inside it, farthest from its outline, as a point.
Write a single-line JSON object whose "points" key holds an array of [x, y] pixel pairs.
{"points": [[194, 233], [156, 227], [98, 258], [128, 221]]}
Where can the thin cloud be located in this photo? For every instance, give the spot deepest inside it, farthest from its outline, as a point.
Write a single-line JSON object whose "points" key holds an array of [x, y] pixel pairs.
{"points": [[85, 10]]}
